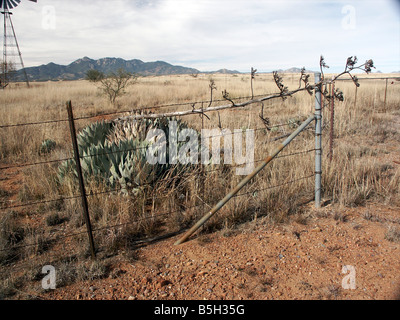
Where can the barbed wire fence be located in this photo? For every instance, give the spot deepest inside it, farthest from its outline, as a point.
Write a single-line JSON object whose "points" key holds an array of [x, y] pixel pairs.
{"points": [[7, 205], [200, 108]]}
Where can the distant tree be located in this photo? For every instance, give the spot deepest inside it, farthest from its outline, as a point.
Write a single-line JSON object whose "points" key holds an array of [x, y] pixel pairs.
{"points": [[115, 83], [94, 75]]}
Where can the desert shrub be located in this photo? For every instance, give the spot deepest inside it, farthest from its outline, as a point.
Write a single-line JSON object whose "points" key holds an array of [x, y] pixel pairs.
{"points": [[11, 234], [94, 75], [53, 219], [114, 84], [393, 234], [47, 146]]}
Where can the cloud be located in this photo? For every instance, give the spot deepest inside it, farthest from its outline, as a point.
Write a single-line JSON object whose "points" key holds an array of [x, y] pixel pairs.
{"points": [[210, 35]]}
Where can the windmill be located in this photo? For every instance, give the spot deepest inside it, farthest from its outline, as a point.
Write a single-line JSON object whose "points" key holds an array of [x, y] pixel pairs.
{"points": [[11, 50]]}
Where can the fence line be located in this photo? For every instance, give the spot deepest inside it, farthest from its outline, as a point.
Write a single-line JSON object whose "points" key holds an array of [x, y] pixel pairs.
{"points": [[164, 214], [130, 149], [122, 112], [175, 104], [362, 79], [91, 194], [254, 99]]}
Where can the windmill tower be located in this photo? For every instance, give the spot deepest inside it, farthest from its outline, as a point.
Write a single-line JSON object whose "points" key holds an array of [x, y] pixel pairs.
{"points": [[12, 58]]}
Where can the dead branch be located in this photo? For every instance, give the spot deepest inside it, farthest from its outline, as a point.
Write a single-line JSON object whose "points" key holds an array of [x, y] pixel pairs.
{"points": [[210, 109], [265, 121], [212, 87], [304, 78], [252, 77], [279, 82], [284, 93], [322, 64], [225, 95]]}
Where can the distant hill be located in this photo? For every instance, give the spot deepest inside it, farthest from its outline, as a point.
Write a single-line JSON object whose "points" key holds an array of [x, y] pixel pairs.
{"points": [[225, 71], [294, 70], [77, 69]]}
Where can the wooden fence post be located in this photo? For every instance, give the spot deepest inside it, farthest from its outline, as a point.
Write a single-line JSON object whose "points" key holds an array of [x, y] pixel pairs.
{"points": [[80, 179]]}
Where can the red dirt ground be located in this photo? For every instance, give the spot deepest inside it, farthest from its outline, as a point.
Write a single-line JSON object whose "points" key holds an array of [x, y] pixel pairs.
{"points": [[260, 261], [301, 259]]}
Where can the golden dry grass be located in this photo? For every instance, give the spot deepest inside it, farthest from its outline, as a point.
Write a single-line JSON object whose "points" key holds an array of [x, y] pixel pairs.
{"points": [[358, 173]]}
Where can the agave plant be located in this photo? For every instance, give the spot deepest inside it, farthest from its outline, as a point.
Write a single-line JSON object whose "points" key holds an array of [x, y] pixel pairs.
{"points": [[115, 153]]}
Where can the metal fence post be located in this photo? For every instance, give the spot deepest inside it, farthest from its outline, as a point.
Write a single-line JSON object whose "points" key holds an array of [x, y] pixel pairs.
{"points": [[318, 144], [80, 179], [332, 121]]}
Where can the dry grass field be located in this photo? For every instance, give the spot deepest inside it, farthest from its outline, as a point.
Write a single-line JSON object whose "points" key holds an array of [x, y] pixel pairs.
{"points": [[362, 176]]}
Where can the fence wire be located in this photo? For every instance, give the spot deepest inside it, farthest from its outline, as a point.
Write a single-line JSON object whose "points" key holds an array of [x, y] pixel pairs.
{"points": [[92, 194], [154, 215]]}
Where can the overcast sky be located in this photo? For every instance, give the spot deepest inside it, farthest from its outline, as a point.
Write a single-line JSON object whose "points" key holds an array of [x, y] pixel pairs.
{"points": [[212, 34]]}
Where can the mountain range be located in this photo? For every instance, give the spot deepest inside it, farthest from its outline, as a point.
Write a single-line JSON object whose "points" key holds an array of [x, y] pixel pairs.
{"points": [[294, 70], [77, 69]]}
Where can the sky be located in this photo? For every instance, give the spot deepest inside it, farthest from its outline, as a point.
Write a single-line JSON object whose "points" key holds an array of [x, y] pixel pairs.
{"points": [[212, 34]]}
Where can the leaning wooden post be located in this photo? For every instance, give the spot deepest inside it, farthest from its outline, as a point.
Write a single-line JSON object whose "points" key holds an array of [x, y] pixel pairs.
{"points": [[318, 144], [80, 179]]}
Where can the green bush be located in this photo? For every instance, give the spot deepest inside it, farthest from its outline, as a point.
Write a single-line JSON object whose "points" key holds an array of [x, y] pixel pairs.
{"points": [[94, 75]]}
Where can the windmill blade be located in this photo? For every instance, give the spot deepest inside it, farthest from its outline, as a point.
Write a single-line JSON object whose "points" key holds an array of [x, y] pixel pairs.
{"points": [[9, 4]]}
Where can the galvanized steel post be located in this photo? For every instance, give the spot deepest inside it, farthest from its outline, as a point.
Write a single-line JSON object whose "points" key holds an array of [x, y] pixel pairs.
{"points": [[332, 121], [318, 138]]}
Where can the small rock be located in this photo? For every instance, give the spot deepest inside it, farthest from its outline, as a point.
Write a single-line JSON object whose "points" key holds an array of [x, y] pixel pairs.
{"points": [[202, 273], [132, 298], [146, 280], [316, 229], [163, 283]]}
